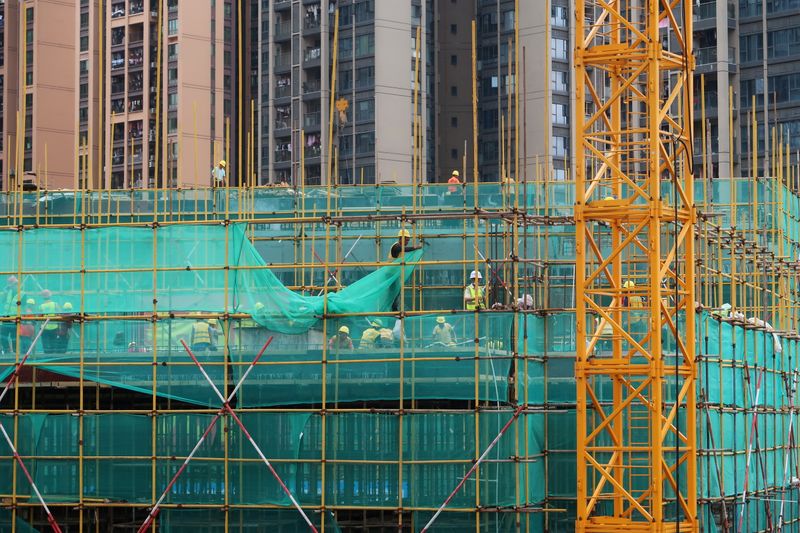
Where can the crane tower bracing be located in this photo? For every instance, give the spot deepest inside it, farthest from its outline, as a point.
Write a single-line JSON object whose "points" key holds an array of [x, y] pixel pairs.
{"points": [[635, 218]]}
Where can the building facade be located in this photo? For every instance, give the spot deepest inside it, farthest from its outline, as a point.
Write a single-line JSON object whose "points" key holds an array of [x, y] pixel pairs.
{"points": [[37, 94]]}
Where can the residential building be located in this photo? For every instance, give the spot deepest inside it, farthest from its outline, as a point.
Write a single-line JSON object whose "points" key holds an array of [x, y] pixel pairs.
{"points": [[34, 85], [783, 76], [372, 137]]}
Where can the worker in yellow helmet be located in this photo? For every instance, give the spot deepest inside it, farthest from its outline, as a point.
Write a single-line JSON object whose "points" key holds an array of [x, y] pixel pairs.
{"points": [[64, 328], [402, 246], [219, 175], [370, 334], [49, 309], [454, 182], [443, 332], [341, 341], [474, 294]]}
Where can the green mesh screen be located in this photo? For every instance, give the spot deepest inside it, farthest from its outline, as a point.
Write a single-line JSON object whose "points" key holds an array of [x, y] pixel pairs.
{"points": [[362, 455]]}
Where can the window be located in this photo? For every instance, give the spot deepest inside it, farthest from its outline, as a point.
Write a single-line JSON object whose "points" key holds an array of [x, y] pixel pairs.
{"points": [[173, 26], [29, 14], [559, 146], [173, 75], [365, 11], [559, 80], [454, 29], [117, 37], [454, 90], [29, 36], [454, 153], [84, 91], [173, 100], [365, 77], [454, 60], [558, 48], [83, 114], [365, 44], [558, 16], [365, 143], [84, 66], [559, 113], [453, 122], [365, 110], [29, 78], [84, 20], [345, 80], [508, 20], [345, 47], [173, 51], [29, 57], [172, 124]]}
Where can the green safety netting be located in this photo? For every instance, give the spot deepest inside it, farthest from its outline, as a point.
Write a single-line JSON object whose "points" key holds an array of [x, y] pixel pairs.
{"points": [[212, 268], [362, 452], [292, 370], [8, 523]]}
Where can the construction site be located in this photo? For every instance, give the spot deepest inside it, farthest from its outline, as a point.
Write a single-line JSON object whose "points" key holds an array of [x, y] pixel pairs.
{"points": [[613, 351]]}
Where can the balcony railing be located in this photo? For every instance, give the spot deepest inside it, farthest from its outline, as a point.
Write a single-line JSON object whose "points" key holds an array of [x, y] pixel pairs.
{"points": [[311, 119], [283, 60], [283, 28], [281, 156]]}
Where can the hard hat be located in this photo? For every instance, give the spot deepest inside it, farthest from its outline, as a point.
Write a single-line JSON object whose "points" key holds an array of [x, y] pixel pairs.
{"points": [[440, 319], [455, 173], [222, 163], [67, 306], [628, 284], [404, 233], [608, 198], [12, 280], [46, 294], [344, 329], [377, 324], [259, 306], [30, 301], [475, 274]]}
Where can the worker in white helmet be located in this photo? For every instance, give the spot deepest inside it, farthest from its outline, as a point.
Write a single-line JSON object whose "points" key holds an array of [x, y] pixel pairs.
{"points": [[474, 294]]}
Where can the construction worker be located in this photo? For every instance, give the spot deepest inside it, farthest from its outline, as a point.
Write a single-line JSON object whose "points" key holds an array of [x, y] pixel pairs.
{"points": [[341, 341], [370, 334], [201, 336], [401, 246], [635, 301], [454, 182], [398, 249], [8, 330], [385, 338], [27, 330], [49, 309], [64, 327], [218, 174], [474, 294], [443, 332]]}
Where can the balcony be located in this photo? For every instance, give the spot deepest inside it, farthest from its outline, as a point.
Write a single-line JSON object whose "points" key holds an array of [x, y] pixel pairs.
{"points": [[311, 86], [706, 56], [117, 10], [313, 151], [283, 156], [311, 120], [281, 123], [283, 91], [136, 8], [283, 29], [283, 60], [312, 55]]}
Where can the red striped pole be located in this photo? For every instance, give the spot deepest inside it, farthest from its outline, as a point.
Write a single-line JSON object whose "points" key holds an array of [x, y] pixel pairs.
{"points": [[517, 411], [155, 510], [15, 373], [227, 407], [50, 519]]}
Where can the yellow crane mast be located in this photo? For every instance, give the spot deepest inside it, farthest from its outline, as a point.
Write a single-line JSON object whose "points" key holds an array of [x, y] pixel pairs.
{"points": [[635, 230]]}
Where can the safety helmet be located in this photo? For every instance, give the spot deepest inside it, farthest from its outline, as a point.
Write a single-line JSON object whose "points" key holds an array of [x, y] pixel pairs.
{"points": [[46, 294], [475, 274], [259, 306], [628, 284], [67, 306], [12, 280], [377, 323], [440, 319], [404, 233], [455, 173], [222, 163], [344, 329], [30, 301]]}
